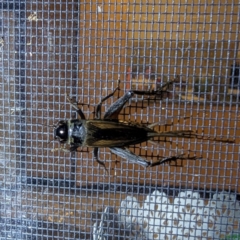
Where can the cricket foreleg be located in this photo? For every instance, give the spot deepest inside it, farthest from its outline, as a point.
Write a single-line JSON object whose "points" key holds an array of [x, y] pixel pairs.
{"points": [[95, 154], [75, 106], [73, 148], [61, 149], [99, 106]]}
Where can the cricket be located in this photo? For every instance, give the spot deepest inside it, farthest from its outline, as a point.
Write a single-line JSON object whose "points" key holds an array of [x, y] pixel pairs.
{"points": [[117, 135]]}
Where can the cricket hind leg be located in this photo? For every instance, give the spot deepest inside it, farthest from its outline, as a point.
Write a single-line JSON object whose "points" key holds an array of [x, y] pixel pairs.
{"points": [[95, 154], [132, 157], [114, 110], [160, 91], [174, 159], [116, 107], [152, 125]]}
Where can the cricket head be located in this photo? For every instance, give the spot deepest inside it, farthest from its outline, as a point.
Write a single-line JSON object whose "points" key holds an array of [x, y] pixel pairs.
{"points": [[61, 131]]}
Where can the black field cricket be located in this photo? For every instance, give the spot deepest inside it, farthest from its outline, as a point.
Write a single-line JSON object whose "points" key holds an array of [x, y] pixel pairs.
{"points": [[115, 134]]}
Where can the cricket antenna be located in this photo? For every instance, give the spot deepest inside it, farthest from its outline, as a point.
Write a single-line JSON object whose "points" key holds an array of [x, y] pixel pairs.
{"points": [[51, 126], [45, 125]]}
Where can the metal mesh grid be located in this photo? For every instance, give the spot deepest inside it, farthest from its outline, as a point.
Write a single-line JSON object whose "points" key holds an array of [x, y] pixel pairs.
{"points": [[81, 48]]}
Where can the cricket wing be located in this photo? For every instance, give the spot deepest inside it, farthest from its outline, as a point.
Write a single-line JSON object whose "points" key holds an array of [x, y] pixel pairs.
{"points": [[108, 133]]}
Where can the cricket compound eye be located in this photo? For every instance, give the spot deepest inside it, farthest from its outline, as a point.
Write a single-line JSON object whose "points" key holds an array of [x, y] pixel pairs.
{"points": [[61, 131]]}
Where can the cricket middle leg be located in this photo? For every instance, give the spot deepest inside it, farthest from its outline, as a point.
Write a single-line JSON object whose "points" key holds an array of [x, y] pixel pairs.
{"points": [[98, 111], [95, 154], [75, 106]]}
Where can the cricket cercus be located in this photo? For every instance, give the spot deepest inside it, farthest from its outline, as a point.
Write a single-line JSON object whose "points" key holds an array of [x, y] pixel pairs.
{"points": [[115, 134]]}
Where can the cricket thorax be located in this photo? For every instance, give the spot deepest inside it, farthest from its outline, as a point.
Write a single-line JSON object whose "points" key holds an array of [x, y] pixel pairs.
{"points": [[77, 131]]}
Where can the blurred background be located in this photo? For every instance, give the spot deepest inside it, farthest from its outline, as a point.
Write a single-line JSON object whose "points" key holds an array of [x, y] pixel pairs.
{"points": [[81, 48]]}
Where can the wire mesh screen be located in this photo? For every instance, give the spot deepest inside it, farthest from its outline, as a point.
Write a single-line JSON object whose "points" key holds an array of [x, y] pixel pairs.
{"points": [[53, 49]]}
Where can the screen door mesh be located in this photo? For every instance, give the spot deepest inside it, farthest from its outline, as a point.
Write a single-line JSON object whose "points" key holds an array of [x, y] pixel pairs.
{"points": [[51, 49]]}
